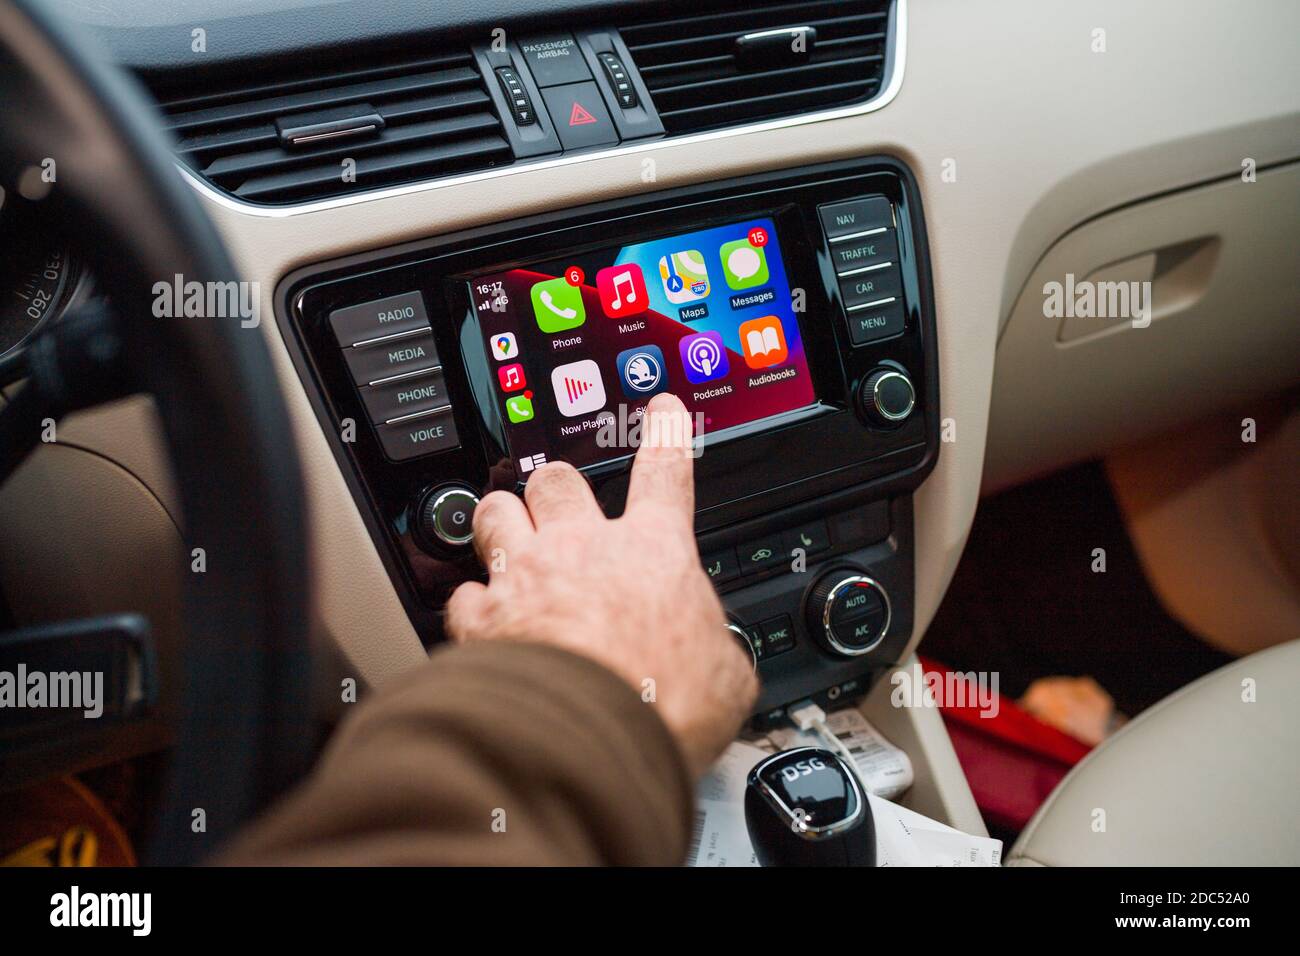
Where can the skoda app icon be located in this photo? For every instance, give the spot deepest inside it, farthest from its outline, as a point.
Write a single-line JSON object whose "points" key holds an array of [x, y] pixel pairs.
{"points": [[642, 372]]}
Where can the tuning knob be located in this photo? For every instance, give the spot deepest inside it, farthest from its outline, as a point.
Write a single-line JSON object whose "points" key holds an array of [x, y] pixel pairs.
{"points": [[848, 612], [887, 397]]}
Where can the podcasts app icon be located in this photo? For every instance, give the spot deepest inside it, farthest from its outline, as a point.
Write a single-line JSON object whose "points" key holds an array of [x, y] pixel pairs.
{"points": [[704, 357]]}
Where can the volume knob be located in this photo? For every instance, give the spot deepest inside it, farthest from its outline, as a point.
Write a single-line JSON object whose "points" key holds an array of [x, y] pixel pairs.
{"points": [[887, 397]]}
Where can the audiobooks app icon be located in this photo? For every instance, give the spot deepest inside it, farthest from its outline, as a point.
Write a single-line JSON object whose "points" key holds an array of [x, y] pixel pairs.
{"points": [[763, 342], [578, 388]]}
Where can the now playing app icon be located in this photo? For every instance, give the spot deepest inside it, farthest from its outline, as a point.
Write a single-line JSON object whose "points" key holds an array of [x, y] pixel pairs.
{"points": [[578, 388]]}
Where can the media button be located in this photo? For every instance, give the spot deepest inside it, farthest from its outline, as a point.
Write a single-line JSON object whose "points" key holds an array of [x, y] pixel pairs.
{"points": [[381, 360]]}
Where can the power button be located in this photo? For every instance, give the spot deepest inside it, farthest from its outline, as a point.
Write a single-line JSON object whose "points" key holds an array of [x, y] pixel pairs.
{"points": [[446, 516]]}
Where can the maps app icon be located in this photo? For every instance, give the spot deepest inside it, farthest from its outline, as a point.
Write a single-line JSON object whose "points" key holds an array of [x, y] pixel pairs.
{"points": [[641, 371]]}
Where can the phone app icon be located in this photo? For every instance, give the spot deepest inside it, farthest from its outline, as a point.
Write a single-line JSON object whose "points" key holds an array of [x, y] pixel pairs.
{"points": [[763, 342], [744, 264], [622, 290], [557, 305], [685, 276], [642, 372], [519, 408], [511, 377], [578, 388], [704, 357], [504, 346]]}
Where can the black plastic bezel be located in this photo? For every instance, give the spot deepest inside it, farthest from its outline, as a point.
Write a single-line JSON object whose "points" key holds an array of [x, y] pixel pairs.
{"points": [[789, 462]]}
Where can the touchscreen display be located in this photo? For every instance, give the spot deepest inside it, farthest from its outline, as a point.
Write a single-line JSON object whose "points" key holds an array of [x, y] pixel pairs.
{"points": [[577, 347]]}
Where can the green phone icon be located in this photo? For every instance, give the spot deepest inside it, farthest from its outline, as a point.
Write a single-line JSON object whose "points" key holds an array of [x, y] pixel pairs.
{"points": [[519, 408], [557, 305]]}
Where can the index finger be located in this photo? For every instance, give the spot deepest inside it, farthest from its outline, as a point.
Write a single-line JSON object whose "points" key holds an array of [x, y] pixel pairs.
{"points": [[664, 469]]}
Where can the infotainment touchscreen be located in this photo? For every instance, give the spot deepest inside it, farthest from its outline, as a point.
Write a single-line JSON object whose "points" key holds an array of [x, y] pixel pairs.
{"points": [[578, 346]]}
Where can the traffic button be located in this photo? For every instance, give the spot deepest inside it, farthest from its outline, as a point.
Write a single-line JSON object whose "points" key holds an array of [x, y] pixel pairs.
{"points": [[579, 115]]}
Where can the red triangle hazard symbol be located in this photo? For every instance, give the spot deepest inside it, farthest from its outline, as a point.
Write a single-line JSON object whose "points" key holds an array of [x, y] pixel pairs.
{"points": [[579, 116]]}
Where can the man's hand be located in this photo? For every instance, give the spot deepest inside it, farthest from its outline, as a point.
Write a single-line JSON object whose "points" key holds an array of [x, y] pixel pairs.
{"points": [[629, 593]]}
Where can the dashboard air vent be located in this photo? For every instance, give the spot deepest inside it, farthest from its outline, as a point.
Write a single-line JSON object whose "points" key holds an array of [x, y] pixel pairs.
{"points": [[291, 140], [771, 60]]}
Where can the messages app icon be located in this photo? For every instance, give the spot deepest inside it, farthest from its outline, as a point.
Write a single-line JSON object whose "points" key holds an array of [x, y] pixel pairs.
{"points": [[744, 264], [557, 305]]}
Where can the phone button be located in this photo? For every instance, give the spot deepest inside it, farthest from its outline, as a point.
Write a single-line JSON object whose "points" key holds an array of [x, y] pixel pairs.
{"points": [[812, 538], [406, 396]]}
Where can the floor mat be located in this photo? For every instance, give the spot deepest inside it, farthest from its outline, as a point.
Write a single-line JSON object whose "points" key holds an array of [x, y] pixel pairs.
{"points": [[1026, 602]]}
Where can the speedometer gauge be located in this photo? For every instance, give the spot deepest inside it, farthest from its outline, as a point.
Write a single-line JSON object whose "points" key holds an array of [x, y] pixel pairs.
{"points": [[35, 272]]}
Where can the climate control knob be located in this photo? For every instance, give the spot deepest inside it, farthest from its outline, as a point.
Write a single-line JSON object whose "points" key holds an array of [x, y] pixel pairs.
{"points": [[887, 397], [848, 612]]}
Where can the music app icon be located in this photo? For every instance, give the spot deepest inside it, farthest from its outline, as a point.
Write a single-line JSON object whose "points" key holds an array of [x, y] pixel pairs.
{"points": [[511, 377], [622, 290]]}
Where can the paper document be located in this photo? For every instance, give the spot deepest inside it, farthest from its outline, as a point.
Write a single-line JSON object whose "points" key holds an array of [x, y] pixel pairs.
{"points": [[882, 768]]}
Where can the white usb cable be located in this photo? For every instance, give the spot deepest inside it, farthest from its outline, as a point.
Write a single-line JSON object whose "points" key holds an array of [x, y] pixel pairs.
{"points": [[807, 716]]}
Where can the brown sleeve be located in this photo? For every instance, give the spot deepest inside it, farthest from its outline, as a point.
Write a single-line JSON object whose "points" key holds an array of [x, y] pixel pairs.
{"points": [[490, 754]]}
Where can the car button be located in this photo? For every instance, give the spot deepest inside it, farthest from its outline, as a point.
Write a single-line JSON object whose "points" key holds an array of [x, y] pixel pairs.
{"points": [[372, 320], [579, 115], [854, 254], [554, 59], [421, 435], [411, 353], [405, 396], [759, 554], [856, 216], [867, 287]]}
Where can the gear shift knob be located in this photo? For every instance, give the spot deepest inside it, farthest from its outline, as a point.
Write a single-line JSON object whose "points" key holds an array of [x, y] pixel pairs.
{"points": [[804, 807]]}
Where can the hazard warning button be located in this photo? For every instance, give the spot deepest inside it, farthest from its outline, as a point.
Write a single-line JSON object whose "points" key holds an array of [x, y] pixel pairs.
{"points": [[579, 115]]}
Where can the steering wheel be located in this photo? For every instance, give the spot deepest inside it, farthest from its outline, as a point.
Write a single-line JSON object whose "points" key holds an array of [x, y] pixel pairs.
{"points": [[242, 732]]}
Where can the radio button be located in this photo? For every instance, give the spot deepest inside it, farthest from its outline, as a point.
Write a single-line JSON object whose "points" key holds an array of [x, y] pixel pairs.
{"points": [[380, 360], [371, 320], [405, 396], [876, 322], [857, 215], [867, 287], [417, 436], [855, 254]]}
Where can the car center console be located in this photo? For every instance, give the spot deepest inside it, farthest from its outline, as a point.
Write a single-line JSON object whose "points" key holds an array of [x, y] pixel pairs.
{"points": [[791, 312]]}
